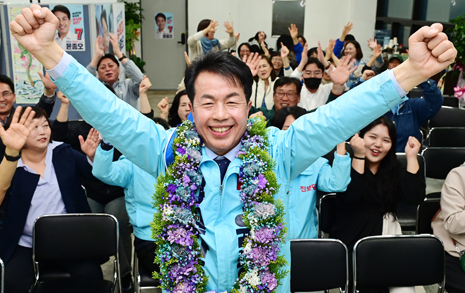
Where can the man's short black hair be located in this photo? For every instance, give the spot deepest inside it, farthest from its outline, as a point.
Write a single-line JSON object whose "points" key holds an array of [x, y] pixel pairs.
{"points": [[283, 80], [5, 79], [315, 61], [108, 56], [160, 15], [223, 64], [280, 117], [62, 8]]}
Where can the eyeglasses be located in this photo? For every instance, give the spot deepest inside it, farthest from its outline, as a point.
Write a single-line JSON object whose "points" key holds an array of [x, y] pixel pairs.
{"points": [[316, 73], [6, 94], [289, 95]]}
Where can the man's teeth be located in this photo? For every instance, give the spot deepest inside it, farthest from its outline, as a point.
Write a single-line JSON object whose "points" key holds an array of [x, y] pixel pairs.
{"points": [[2, 105], [284, 105], [220, 129], [375, 151]]}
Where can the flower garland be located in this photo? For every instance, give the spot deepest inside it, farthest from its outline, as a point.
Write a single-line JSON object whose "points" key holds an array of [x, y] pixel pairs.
{"points": [[174, 226]]}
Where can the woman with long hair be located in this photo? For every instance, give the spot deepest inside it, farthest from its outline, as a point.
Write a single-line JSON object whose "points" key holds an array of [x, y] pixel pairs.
{"points": [[179, 109], [354, 51], [378, 181]]}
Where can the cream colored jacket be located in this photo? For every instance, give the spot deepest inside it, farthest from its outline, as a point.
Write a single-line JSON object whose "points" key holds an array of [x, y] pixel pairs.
{"points": [[195, 45], [451, 219]]}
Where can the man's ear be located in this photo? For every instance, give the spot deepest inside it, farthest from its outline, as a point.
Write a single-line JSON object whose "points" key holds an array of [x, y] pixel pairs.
{"points": [[249, 105], [298, 98]]}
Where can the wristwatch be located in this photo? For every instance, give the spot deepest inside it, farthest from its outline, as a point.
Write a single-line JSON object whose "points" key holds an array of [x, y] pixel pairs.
{"points": [[122, 57], [11, 158]]}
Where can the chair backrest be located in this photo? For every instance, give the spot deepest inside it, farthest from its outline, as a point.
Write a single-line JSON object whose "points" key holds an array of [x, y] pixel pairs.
{"points": [[425, 214], [451, 101], [448, 117], [447, 137], [440, 161], [402, 158], [73, 237], [318, 264], [2, 276], [398, 261], [327, 213]]}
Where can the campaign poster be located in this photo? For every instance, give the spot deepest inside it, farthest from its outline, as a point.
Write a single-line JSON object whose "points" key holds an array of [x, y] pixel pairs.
{"points": [[28, 85], [120, 26], [70, 33], [164, 28], [104, 22]]}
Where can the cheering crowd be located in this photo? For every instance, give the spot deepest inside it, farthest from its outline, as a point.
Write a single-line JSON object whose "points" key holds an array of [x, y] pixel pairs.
{"points": [[215, 212]]}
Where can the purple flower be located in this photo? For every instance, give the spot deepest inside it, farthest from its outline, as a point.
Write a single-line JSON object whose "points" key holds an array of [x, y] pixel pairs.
{"points": [[264, 210], [181, 151], [185, 180], [259, 256], [180, 236], [183, 288], [171, 188], [269, 279], [265, 235], [261, 181]]}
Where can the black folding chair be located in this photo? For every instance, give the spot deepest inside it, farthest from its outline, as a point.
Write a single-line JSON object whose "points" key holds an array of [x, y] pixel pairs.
{"points": [[2, 276], [327, 212], [407, 213], [425, 214], [398, 261], [75, 238], [451, 101], [448, 117], [440, 161], [447, 137], [318, 264], [142, 278]]}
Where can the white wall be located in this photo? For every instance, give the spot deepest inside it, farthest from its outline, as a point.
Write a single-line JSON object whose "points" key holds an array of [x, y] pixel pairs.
{"points": [[324, 19]]}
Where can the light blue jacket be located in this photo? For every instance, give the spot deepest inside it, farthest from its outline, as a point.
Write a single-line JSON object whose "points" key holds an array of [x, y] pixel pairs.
{"points": [[294, 150], [302, 201], [138, 185]]}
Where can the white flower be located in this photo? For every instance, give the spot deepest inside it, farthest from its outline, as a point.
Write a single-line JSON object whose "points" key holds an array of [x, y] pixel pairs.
{"points": [[167, 211], [252, 277], [242, 289], [248, 247]]}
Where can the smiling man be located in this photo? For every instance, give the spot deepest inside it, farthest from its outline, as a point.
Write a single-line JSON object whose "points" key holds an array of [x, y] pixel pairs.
{"points": [[63, 35], [219, 86]]}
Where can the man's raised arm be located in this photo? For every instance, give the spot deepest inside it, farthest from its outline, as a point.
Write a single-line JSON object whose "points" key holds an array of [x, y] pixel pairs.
{"points": [[117, 121]]}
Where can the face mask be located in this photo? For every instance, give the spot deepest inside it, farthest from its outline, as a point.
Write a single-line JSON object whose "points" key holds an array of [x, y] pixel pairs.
{"points": [[312, 83]]}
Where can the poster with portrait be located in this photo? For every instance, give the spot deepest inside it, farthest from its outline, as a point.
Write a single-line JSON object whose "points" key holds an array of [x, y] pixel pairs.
{"points": [[70, 34], [104, 22], [28, 85], [164, 28], [119, 21]]}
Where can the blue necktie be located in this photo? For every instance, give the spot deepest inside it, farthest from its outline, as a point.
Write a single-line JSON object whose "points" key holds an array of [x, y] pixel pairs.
{"points": [[223, 163]]}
